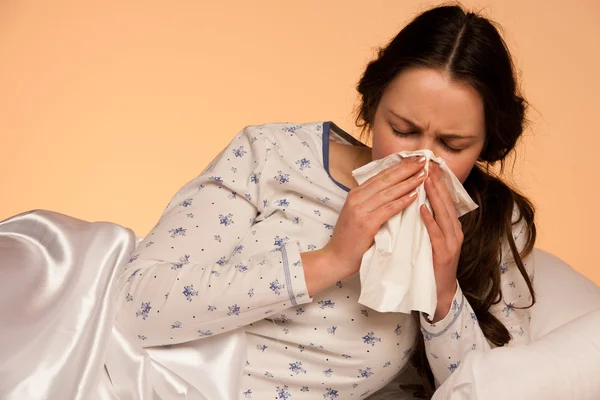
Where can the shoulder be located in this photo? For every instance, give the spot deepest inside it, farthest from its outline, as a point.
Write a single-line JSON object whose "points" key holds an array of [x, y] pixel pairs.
{"points": [[290, 139], [522, 231], [519, 224], [287, 131], [276, 136]]}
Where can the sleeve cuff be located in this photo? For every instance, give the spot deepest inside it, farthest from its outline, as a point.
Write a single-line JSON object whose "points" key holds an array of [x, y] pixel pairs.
{"points": [[294, 274], [439, 328]]}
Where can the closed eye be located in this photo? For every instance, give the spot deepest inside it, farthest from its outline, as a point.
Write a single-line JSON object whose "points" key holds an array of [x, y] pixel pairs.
{"points": [[403, 133], [451, 149], [446, 146]]}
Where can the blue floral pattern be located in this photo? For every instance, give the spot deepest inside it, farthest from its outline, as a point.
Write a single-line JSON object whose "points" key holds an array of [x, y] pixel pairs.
{"points": [[228, 248], [144, 310], [296, 368], [189, 292], [461, 324]]}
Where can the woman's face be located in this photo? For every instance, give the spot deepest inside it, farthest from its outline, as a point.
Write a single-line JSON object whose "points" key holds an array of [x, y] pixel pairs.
{"points": [[424, 109]]}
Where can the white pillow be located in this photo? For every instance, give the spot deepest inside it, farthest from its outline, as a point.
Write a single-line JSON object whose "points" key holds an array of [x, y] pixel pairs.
{"points": [[563, 294], [563, 359], [564, 364]]}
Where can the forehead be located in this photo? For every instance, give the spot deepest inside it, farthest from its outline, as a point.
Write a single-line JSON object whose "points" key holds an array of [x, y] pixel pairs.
{"points": [[432, 100]]}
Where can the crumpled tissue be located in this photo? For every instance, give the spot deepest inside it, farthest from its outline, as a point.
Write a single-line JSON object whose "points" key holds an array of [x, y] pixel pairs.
{"points": [[396, 273]]}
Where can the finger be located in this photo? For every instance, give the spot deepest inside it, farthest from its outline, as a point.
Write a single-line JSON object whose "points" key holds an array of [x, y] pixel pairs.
{"points": [[440, 184], [388, 210], [394, 192], [444, 193], [440, 213], [381, 173], [433, 230], [388, 177]]}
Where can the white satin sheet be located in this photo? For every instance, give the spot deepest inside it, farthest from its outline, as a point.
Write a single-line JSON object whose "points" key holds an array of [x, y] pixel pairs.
{"points": [[58, 338], [57, 334]]}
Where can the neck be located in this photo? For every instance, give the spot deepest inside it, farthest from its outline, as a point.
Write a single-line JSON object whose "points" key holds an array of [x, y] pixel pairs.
{"points": [[363, 157]]}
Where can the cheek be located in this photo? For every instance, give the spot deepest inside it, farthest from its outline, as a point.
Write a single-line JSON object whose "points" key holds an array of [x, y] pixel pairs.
{"points": [[462, 177], [384, 146], [461, 169]]}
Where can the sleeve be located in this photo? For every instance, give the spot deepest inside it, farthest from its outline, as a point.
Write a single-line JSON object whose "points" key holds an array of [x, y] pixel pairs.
{"points": [[182, 284], [448, 341]]}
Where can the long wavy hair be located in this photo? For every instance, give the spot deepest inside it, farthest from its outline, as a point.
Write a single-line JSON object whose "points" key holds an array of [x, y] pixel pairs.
{"points": [[470, 49]]}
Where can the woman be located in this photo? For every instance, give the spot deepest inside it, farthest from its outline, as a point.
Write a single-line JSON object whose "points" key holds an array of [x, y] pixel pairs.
{"points": [[270, 236]]}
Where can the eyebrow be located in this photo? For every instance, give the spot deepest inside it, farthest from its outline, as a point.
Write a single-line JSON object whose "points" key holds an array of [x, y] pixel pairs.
{"points": [[444, 135]]}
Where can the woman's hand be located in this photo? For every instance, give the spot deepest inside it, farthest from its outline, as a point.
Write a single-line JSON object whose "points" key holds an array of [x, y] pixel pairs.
{"points": [[446, 235], [367, 207]]}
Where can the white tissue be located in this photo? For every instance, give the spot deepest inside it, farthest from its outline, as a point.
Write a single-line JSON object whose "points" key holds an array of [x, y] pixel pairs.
{"points": [[396, 273]]}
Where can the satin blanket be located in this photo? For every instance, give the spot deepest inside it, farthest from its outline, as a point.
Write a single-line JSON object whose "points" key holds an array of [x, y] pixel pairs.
{"points": [[59, 340], [58, 337]]}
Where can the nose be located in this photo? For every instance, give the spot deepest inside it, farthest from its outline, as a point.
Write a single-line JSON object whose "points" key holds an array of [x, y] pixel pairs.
{"points": [[423, 143]]}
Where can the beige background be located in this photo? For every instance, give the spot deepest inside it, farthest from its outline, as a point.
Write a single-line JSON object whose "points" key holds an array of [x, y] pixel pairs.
{"points": [[108, 107]]}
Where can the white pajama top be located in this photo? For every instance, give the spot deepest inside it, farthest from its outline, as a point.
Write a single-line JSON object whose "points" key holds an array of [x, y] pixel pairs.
{"points": [[226, 254]]}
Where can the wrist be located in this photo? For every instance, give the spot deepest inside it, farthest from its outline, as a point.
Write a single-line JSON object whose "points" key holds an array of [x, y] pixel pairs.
{"points": [[320, 270], [441, 311], [448, 294], [444, 303]]}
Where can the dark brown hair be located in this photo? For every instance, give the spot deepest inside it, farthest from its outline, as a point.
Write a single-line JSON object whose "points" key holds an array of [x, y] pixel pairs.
{"points": [[469, 48]]}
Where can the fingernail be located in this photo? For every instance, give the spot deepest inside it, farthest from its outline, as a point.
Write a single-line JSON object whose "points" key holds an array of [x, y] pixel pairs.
{"points": [[421, 160], [421, 174], [413, 194]]}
